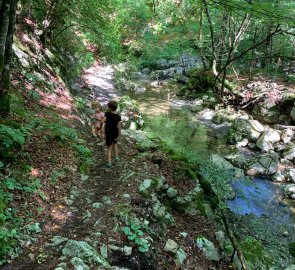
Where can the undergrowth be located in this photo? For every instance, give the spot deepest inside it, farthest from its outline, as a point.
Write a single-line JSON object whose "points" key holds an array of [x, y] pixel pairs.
{"points": [[17, 183]]}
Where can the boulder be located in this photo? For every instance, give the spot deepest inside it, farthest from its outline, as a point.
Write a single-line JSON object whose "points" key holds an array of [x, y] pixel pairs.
{"points": [[267, 140], [266, 164], [290, 267], [245, 128], [266, 112]]}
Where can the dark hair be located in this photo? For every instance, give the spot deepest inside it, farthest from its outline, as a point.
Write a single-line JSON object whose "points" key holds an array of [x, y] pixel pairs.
{"points": [[113, 105]]}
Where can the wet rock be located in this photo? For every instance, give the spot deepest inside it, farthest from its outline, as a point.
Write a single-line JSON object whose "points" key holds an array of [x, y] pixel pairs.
{"points": [[278, 177], [208, 248], [171, 246]]}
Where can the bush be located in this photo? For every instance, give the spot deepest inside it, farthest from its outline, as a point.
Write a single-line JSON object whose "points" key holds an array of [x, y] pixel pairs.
{"points": [[10, 138]]}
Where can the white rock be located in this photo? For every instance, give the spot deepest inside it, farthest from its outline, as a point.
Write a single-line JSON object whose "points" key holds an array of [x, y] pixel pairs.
{"points": [[287, 135], [171, 246], [291, 175]]}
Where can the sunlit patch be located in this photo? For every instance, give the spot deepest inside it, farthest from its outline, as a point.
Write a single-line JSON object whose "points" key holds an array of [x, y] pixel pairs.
{"points": [[35, 172], [60, 214]]}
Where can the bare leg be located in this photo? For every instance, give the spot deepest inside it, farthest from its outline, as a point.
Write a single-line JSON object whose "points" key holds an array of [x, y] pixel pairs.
{"points": [[110, 153], [116, 150]]}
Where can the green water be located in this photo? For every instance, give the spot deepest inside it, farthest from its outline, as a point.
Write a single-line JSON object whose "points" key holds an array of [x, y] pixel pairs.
{"points": [[178, 127]]}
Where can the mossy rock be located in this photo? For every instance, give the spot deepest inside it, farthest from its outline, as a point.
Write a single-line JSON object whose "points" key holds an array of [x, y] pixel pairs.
{"points": [[292, 249]]}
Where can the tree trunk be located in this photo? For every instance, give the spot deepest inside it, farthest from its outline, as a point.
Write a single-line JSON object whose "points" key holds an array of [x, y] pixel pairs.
{"points": [[7, 59], [4, 23]]}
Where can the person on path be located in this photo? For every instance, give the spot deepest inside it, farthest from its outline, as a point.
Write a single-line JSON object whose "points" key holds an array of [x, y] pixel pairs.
{"points": [[98, 120], [112, 131]]}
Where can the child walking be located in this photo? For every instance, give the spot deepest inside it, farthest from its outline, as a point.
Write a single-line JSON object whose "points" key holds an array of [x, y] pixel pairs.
{"points": [[112, 130], [98, 120]]}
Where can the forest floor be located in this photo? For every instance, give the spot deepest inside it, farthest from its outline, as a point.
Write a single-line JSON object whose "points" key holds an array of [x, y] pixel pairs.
{"points": [[93, 208]]}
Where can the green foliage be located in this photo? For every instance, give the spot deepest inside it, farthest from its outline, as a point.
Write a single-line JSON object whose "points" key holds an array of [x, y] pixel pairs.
{"points": [[62, 132], [11, 138], [7, 242], [134, 233]]}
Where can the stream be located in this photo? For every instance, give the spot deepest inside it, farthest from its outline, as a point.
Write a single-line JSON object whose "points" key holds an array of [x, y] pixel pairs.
{"points": [[258, 210]]}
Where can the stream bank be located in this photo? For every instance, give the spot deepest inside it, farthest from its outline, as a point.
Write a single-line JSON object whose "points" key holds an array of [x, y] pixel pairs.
{"points": [[187, 127]]}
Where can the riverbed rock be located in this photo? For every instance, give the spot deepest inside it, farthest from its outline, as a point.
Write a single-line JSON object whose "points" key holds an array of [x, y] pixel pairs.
{"points": [[289, 153], [290, 175], [289, 191], [266, 164], [267, 140], [290, 267], [287, 135], [278, 177], [245, 128]]}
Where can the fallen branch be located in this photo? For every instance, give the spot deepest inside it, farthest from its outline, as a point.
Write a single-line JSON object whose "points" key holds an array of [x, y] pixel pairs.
{"points": [[256, 99]]}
